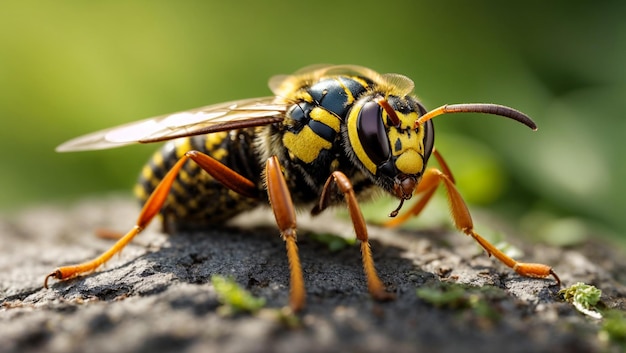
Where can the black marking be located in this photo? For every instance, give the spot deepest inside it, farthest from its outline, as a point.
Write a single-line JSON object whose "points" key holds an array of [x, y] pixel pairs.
{"points": [[429, 139], [239, 158], [322, 130], [332, 96], [299, 113], [400, 105], [388, 168], [158, 171], [146, 185], [355, 87], [398, 145]]}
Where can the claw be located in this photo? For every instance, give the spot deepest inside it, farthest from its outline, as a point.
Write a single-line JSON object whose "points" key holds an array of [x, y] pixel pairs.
{"points": [[556, 278], [56, 274]]}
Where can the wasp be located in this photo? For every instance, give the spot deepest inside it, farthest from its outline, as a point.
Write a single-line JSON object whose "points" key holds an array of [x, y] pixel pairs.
{"points": [[329, 135]]}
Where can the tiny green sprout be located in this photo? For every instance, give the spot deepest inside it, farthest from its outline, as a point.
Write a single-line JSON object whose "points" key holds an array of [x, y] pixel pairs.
{"points": [[614, 326], [334, 242], [284, 316], [234, 298], [457, 296], [584, 297], [445, 296]]}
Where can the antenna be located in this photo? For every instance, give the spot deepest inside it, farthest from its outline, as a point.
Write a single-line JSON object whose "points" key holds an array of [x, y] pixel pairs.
{"points": [[485, 108]]}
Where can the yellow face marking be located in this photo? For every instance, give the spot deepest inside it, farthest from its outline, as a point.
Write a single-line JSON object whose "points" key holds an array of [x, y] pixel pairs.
{"points": [[407, 121], [407, 145], [410, 162]]}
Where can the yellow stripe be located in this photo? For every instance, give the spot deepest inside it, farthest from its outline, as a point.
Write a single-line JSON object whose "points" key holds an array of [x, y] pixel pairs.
{"points": [[301, 95], [213, 143], [214, 139], [350, 99], [353, 136], [306, 145], [184, 177], [140, 192], [324, 116], [361, 81], [146, 172], [182, 146], [157, 159], [219, 154], [178, 188]]}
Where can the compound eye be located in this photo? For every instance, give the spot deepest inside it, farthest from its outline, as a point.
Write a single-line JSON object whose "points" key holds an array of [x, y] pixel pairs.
{"points": [[429, 139], [372, 134]]}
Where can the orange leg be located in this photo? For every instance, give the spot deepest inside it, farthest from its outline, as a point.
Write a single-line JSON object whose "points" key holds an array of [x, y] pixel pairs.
{"points": [[285, 214], [463, 220], [340, 180], [153, 205]]}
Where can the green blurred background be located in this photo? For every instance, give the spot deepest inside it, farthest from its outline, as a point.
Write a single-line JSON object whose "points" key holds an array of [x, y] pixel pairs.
{"points": [[71, 67]]}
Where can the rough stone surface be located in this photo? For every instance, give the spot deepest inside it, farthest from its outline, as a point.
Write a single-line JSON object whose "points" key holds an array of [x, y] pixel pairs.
{"points": [[157, 295]]}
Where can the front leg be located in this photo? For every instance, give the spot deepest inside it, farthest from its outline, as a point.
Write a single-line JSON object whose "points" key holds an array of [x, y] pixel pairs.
{"points": [[340, 180], [463, 220]]}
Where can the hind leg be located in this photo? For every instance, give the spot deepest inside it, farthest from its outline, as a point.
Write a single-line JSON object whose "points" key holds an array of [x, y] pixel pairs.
{"points": [[153, 205]]}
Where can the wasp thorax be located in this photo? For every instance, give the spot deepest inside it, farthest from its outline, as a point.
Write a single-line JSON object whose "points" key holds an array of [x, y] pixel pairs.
{"points": [[385, 139]]}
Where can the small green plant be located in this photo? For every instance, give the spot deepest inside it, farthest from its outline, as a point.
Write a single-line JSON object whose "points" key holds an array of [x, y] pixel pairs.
{"points": [[234, 298], [334, 242], [584, 297], [446, 296], [457, 296], [614, 327]]}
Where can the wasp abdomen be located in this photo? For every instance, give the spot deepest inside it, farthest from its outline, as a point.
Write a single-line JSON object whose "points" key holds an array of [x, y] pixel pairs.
{"points": [[196, 198]]}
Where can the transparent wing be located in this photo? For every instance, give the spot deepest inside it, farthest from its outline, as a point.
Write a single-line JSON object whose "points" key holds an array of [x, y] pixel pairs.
{"points": [[400, 83], [282, 85], [204, 120]]}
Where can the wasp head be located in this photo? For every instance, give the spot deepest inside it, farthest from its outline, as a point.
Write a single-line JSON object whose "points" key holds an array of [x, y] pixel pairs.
{"points": [[388, 144]]}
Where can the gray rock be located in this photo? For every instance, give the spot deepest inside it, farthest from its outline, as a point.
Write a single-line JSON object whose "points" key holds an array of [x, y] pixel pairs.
{"points": [[157, 295]]}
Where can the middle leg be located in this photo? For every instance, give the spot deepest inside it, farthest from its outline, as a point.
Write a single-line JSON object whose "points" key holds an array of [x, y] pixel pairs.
{"points": [[341, 181]]}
